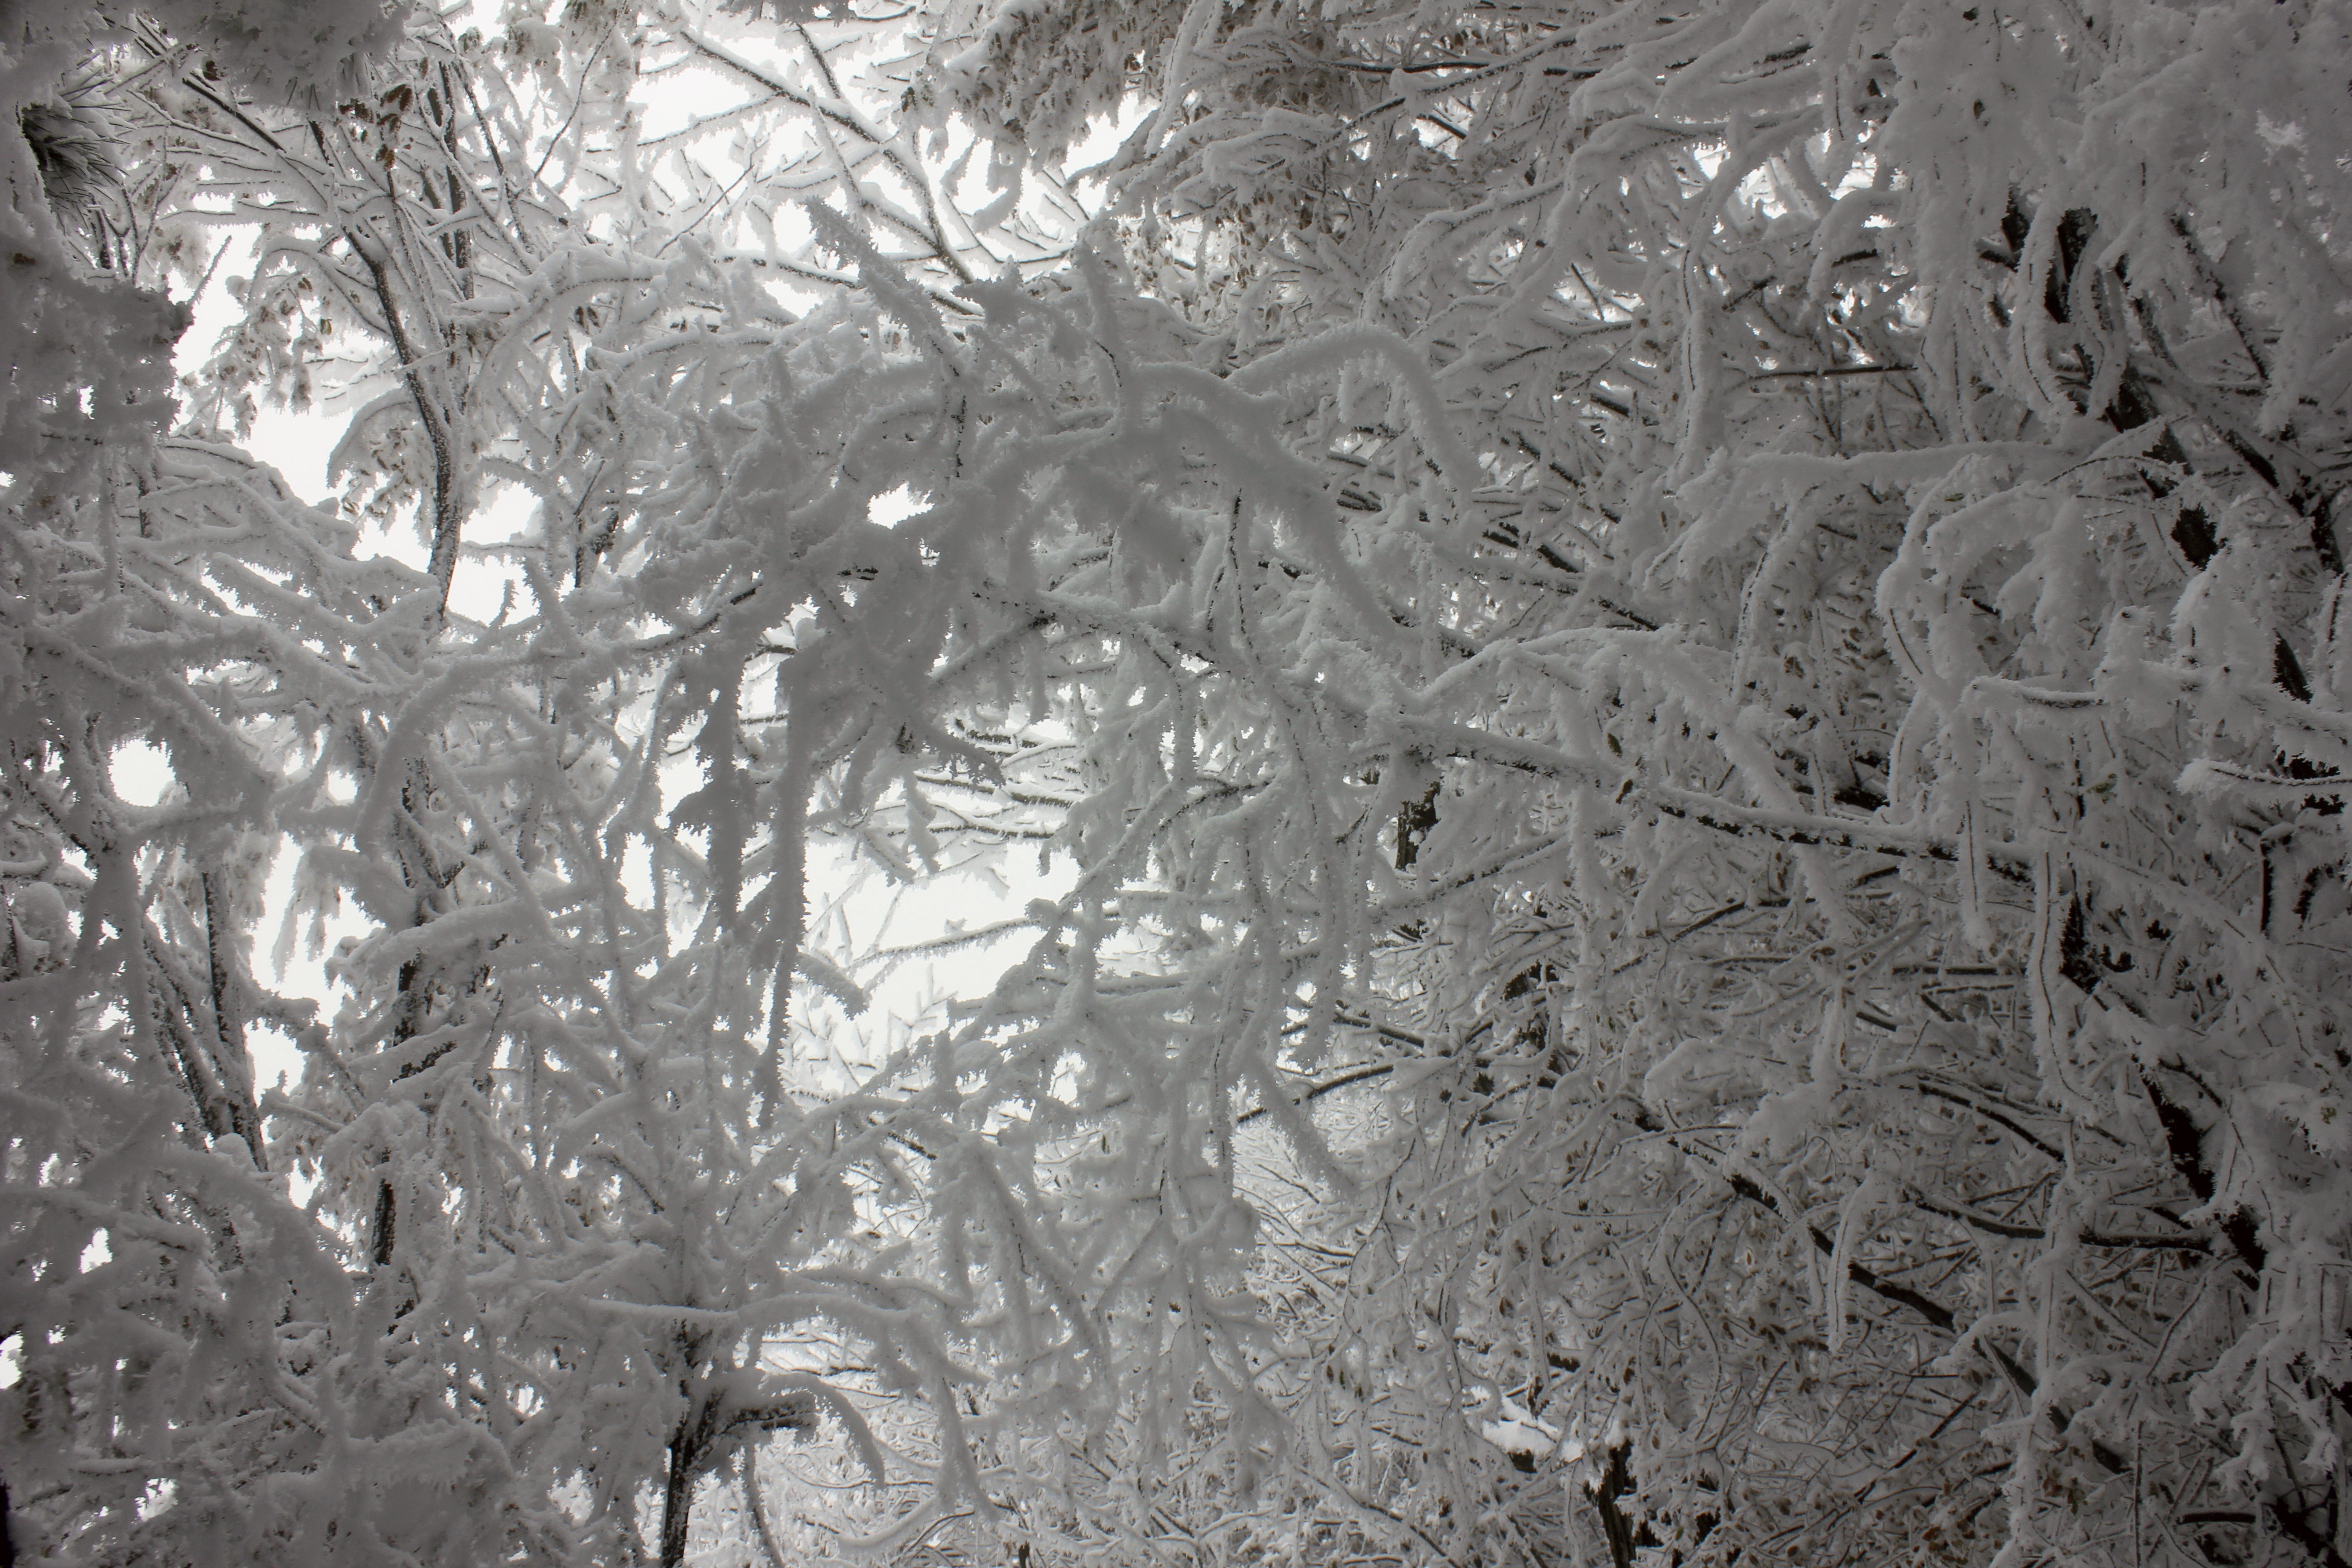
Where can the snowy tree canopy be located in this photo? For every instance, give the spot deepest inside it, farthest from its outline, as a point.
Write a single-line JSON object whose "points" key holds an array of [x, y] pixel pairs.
{"points": [[1669, 676]]}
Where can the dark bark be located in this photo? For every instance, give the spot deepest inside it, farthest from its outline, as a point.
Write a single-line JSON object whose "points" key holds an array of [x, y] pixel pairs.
{"points": [[699, 1443], [685, 1447], [1414, 819], [1627, 1534], [234, 1065], [2184, 1141]]}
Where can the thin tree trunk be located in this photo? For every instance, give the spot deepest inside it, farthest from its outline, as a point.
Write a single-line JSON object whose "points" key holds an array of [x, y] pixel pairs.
{"points": [[233, 1067], [688, 1445], [1617, 1481], [678, 1504]]}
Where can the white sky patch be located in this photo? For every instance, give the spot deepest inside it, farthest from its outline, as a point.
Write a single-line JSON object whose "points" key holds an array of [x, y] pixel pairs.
{"points": [[142, 771], [1103, 138], [892, 508], [490, 574], [295, 445]]}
